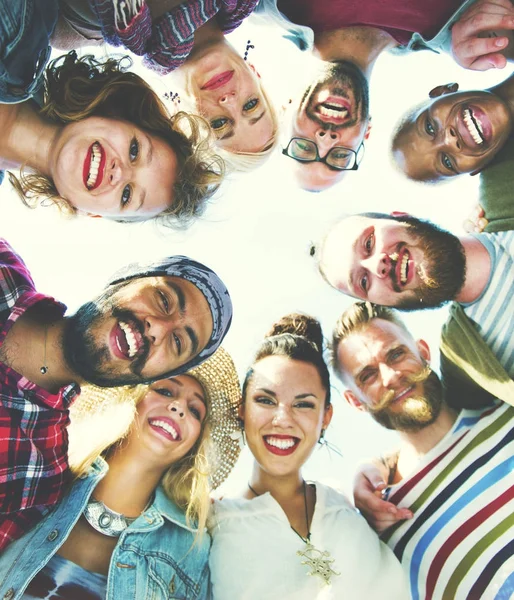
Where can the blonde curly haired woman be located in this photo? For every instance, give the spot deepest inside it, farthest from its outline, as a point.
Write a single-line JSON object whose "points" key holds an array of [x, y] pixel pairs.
{"points": [[132, 524]]}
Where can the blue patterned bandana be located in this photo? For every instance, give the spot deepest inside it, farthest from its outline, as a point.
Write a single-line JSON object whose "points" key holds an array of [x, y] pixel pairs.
{"points": [[205, 280]]}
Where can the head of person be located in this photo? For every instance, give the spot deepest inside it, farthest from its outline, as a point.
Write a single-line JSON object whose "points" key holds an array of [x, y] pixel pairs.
{"points": [[181, 426], [329, 126], [151, 321], [393, 260], [228, 92], [119, 153], [385, 371], [451, 134], [286, 402]]}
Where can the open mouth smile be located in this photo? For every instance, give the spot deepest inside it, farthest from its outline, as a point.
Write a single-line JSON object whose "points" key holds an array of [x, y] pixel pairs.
{"points": [[333, 110], [282, 445], [403, 271], [126, 340], [166, 427], [94, 163], [474, 127]]}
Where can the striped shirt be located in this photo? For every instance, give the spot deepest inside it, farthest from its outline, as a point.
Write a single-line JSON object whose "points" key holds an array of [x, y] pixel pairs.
{"points": [[493, 311], [460, 543]]}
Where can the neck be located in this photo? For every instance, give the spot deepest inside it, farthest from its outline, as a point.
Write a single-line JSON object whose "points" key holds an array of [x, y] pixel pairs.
{"points": [[28, 138], [478, 269], [505, 91], [417, 444], [129, 484], [205, 36], [281, 488], [359, 45]]}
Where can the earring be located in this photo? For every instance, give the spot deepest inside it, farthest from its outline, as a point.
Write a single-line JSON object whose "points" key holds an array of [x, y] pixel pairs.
{"points": [[322, 441], [171, 97], [239, 436], [249, 46]]}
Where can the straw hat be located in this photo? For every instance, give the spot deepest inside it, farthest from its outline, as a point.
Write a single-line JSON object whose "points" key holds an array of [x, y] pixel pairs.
{"points": [[218, 378]]}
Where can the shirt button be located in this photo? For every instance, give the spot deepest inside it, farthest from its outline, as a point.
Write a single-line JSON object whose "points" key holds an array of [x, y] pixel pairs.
{"points": [[52, 535], [9, 594]]}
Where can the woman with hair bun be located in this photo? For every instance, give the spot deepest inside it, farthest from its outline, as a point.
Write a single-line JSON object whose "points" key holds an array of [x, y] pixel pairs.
{"points": [[103, 144], [288, 538]]}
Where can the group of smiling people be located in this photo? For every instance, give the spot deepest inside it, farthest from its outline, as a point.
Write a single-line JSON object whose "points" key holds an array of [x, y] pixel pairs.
{"points": [[118, 423]]}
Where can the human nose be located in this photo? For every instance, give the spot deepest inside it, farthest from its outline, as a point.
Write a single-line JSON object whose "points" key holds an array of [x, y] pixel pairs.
{"points": [[451, 137], [114, 172], [379, 264], [389, 375], [228, 99], [177, 409], [326, 138], [158, 329], [281, 417]]}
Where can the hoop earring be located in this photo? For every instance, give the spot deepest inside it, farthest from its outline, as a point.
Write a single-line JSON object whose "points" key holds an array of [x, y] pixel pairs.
{"points": [[249, 46], [322, 441]]}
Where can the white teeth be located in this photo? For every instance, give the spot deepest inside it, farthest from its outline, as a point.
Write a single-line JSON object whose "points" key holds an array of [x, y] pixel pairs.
{"points": [[403, 268], [474, 128], [130, 337], [166, 426], [332, 112], [94, 165], [280, 443]]}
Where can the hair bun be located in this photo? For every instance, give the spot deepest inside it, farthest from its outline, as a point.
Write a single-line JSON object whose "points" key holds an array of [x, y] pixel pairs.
{"points": [[302, 325]]}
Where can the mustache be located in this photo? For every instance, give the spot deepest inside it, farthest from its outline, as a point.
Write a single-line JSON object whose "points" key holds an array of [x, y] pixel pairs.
{"points": [[388, 398]]}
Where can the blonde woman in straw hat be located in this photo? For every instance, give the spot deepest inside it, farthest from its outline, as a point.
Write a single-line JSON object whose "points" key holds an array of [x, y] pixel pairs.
{"points": [[132, 524]]}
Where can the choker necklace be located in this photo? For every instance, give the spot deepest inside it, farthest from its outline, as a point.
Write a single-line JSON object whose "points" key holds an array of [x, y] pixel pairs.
{"points": [[320, 562], [106, 520], [44, 366]]}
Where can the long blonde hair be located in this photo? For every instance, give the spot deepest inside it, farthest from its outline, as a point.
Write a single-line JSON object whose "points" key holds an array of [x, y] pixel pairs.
{"points": [[110, 413]]}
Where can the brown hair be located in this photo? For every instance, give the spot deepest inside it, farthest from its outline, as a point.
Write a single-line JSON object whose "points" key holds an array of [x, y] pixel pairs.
{"points": [[78, 88], [298, 337], [356, 318]]}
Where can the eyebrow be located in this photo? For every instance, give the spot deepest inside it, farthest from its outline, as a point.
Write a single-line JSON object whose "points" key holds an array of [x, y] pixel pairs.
{"points": [[199, 396], [257, 119], [298, 397], [227, 135]]}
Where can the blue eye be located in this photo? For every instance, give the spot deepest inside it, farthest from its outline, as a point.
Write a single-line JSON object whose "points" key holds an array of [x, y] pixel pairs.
{"points": [[396, 354], [126, 195], [251, 104], [134, 150], [263, 400], [369, 243], [165, 392], [429, 128], [364, 283], [219, 123]]}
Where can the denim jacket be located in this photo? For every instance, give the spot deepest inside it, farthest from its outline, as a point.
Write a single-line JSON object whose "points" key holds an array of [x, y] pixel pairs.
{"points": [[25, 30], [153, 559]]}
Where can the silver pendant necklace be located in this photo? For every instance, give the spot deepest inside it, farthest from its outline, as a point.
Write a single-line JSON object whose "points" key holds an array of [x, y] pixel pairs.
{"points": [[107, 521], [319, 561]]}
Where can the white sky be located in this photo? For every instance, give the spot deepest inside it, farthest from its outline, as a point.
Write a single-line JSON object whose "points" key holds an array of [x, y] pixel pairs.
{"points": [[257, 232]]}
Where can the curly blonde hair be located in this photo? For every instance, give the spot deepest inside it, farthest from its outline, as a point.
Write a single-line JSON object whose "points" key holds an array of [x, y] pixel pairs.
{"points": [[110, 413], [78, 88]]}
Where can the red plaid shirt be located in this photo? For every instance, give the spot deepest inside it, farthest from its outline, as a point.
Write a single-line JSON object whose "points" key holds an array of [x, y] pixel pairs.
{"points": [[33, 436]]}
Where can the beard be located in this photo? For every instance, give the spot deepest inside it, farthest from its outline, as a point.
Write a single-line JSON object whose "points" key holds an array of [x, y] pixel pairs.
{"points": [[417, 412], [90, 360], [443, 269], [342, 77]]}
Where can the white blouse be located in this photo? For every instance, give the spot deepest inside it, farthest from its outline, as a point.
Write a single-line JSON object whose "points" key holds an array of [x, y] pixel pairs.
{"points": [[254, 553]]}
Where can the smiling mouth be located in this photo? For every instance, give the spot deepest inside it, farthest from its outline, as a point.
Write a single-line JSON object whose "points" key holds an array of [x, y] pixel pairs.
{"points": [[473, 126], [333, 110], [167, 426], [94, 164], [281, 445], [127, 341], [218, 80], [401, 273]]}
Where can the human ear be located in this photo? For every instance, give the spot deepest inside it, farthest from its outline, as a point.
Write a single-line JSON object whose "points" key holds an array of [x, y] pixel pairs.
{"points": [[352, 400], [368, 129], [241, 411], [327, 417], [424, 350], [442, 90], [399, 214]]}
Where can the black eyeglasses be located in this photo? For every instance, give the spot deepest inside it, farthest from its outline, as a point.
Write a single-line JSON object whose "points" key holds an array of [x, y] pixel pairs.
{"points": [[338, 158]]}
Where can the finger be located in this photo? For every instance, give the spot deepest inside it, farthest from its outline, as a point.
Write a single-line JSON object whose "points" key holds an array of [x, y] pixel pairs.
{"points": [[383, 521], [477, 47], [491, 61], [370, 503], [484, 21]]}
